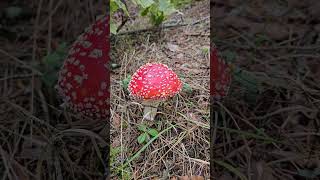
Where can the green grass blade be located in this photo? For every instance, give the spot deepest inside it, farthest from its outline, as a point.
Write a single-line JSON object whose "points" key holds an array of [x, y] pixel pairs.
{"points": [[137, 154]]}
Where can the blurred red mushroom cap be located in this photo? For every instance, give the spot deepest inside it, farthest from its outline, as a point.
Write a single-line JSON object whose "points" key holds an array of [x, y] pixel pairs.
{"points": [[84, 77], [220, 76], [154, 81]]}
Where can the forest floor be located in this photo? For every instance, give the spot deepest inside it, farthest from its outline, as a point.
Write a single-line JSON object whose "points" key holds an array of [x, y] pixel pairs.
{"points": [[183, 149], [38, 139], [269, 125], [267, 128]]}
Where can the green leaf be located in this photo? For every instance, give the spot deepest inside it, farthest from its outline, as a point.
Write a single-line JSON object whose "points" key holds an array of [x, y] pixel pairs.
{"points": [[13, 12], [179, 3], [113, 6], [56, 58], [248, 80], [115, 66], [52, 59], [115, 151], [142, 127], [144, 12], [122, 6], [261, 38], [113, 28], [229, 56], [157, 18], [145, 3], [142, 138], [52, 64], [62, 49], [49, 79], [186, 88], [166, 7], [153, 132], [309, 173], [125, 83], [205, 50], [251, 84], [137, 154]]}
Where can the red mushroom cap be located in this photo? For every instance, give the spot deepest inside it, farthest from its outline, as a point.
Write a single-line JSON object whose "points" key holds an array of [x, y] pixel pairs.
{"points": [[84, 77], [220, 76], [154, 81]]}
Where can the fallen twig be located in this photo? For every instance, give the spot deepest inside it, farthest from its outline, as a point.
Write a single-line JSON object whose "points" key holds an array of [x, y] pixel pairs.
{"points": [[164, 26]]}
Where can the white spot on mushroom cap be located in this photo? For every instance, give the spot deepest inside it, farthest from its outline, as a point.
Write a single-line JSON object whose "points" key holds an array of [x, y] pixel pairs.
{"points": [[100, 93], [86, 44], [76, 63], [83, 53], [88, 105], [74, 95], [63, 71], [69, 86], [103, 85], [82, 67], [67, 98], [78, 79], [95, 53]]}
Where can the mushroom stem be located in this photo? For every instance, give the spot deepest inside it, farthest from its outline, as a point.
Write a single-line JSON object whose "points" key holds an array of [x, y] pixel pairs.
{"points": [[150, 109]]}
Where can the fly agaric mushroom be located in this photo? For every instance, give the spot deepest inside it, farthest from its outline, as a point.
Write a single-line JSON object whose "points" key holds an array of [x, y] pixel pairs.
{"points": [[220, 76], [153, 83], [84, 77]]}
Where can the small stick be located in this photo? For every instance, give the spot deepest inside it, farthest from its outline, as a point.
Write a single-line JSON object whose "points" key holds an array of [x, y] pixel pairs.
{"points": [[164, 26]]}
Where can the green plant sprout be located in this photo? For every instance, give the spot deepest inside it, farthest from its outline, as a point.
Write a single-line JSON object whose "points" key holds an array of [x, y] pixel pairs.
{"points": [[52, 63], [146, 132], [125, 83], [114, 153], [157, 10], [137, 154], [187, 88]]}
